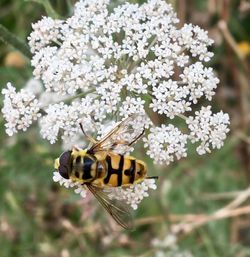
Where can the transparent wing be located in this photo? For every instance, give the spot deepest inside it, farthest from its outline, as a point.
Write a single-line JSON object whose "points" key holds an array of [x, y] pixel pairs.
{"points": [[125, 134], [119, 211]]}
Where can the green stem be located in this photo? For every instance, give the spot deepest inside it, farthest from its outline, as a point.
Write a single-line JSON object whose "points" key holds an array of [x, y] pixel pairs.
{"points": [[182, 116], [48, 8], [147, 98], [9, 38], [70, 99], [69, 6]]}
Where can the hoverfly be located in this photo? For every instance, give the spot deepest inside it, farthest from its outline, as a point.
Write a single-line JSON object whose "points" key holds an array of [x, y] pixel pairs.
{"points": [[99, 167]]}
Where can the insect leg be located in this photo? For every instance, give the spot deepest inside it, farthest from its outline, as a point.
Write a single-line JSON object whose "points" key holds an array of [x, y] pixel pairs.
{"points": [[76, 148], [152, 177], [136, 138]]}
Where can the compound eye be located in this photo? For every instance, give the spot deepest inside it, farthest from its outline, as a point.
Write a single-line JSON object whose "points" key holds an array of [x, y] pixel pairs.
{"points": [[64, 164], [63, 170]]}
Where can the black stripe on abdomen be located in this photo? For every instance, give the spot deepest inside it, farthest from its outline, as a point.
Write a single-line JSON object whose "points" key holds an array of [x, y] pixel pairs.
{"points": [[120, 168], [131, 172], [111, 170]]}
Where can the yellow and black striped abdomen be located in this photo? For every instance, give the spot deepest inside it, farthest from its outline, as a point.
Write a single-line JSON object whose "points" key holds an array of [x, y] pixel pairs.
{"points": [[123, 170], [106, 169]]}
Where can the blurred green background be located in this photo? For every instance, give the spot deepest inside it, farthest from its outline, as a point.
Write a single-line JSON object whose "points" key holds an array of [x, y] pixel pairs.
{"points": [[39, 218]]}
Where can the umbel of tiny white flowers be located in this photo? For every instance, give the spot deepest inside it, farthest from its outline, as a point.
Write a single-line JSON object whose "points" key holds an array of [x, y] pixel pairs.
{"points": [[168, 246], [19, 110], [102, 63]]}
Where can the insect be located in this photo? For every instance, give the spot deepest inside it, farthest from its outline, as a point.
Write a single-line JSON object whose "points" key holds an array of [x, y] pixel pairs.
{"points": [[100, 167]]}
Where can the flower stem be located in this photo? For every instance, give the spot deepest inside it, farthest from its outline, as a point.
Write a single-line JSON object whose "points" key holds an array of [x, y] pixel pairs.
{"points": [[70, 7], [182, 116], [9, 38], [48, 8], [68, 100]]}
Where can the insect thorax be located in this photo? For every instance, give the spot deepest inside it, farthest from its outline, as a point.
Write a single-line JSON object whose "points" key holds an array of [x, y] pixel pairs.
{"points": [[84, 168]]}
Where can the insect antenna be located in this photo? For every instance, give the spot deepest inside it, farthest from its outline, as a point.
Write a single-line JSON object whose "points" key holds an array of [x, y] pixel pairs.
{"points": [[91, 139]]}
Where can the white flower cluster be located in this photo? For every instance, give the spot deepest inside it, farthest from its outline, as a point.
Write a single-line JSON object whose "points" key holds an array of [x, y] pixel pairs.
{"points": [[105, 64], [112, 63], [44, 31], [131, 195], [173, 253], [66, 118], [168, 246], [169, 241], [207, 128], [69, 184], [20, 109], [164, 143], [134, 194]]}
